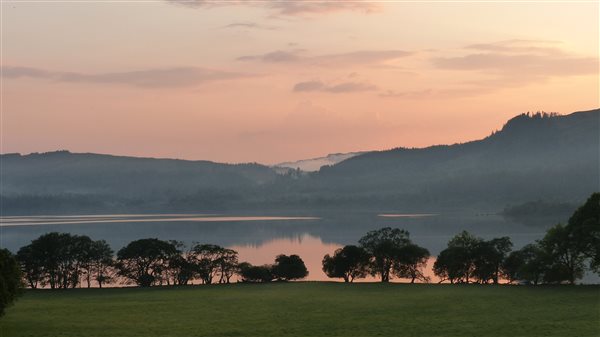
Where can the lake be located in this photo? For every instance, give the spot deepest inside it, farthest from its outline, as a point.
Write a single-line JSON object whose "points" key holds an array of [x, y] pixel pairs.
{"points": [[259, 238]]}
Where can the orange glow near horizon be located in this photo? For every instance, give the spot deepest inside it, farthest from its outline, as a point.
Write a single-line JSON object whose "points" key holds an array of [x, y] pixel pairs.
{"points": [[276, 82], [311, 250]]}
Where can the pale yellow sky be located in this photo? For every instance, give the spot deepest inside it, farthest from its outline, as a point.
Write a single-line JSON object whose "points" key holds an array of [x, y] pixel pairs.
{"points": [[278, 81]]}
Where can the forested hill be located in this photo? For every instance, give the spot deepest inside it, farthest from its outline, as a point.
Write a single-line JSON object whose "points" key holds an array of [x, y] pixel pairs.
{"points": [[533, 157], [65, 180]]}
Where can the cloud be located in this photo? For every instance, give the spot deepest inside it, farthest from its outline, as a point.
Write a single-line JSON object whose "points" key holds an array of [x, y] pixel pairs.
{"points": [[516, 63], [277, 56], [300, 7], [512, 46], [522, 65], [308, 86], [344, 87], [250, 25], [361, 57], [151, 78], [342, 59], [16, 72], [406, 94], [520, 57], [289, 7]]}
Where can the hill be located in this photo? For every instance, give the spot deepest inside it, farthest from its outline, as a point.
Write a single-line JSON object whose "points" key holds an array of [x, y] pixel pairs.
{"points": [[43, 182], [534, 157]]}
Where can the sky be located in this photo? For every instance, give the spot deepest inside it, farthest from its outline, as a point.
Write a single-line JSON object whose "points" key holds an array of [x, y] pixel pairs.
{"points": [[268, 82]]}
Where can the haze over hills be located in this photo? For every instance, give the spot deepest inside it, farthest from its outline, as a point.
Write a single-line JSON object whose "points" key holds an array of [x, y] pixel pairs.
{"points": [[533, 157], [314, 164]]}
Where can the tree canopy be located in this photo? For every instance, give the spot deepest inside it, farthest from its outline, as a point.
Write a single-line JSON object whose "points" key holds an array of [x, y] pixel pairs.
{"points": [[144, 261], [383, 245], [289, 268], [10, 279], [349, 263]]}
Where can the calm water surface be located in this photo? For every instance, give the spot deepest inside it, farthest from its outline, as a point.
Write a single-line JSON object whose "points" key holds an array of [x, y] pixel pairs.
{"points": [[259, 238]]}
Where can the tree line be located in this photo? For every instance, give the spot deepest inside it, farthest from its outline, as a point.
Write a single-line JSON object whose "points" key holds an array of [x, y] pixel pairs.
{"points": [[62, 260], [561, 256]]}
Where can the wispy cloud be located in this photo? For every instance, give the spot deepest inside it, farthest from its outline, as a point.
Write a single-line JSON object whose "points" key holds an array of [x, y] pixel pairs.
{"points": [[524, 46], [289, 7], [515, 63], [150, 78], [406, 94], [300, 7], [342, 59], [277, 56], [500, 65], [521, 65], [338, 88], [250, 25], [520, 58]]}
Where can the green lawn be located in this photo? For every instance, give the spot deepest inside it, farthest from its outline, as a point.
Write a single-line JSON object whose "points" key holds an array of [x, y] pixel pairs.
{"points": [[309, 309]]}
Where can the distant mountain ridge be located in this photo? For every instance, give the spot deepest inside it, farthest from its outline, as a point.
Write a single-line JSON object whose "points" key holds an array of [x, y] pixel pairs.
{"points": [[66, 172], [533, 157]]}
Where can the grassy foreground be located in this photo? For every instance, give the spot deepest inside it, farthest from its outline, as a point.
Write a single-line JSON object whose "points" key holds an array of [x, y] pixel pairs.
{"points": [[308, 309]]}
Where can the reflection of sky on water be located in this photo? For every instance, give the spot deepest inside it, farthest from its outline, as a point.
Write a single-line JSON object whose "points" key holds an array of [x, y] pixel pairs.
{"points": [[260, 238], [338, 228], [118, 219]]}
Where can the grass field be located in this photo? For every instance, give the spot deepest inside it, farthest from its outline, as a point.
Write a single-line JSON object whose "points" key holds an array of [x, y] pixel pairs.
{"points": [[308, 309]]}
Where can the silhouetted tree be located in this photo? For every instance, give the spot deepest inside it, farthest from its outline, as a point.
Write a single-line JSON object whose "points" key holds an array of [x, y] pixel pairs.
{"points": [[450, 266], [527, 264], [457, 262], [488, 257], [100, 263], [82, 250], [250, 273], [289, 268], [411, 261], [10, 279], [511, 266], [206, 257], [59, 257], [143, 261], [584, 228], [31, 265], [182, 270], [383, 246], [350, 262], [178, 270], [565, 255], [227, 264], [181, 267]]}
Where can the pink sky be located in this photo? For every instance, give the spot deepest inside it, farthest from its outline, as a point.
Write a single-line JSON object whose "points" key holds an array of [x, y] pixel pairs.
{"points": [[277, 81]]}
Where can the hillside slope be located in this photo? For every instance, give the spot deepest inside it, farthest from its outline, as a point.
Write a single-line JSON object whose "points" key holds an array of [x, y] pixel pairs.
{"points": [[533, 157]]}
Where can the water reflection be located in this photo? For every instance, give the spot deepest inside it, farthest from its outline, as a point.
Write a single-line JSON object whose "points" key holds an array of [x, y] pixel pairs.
{"points": [[391, 215], [259, 238], [311, 249], [8, 222]]}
